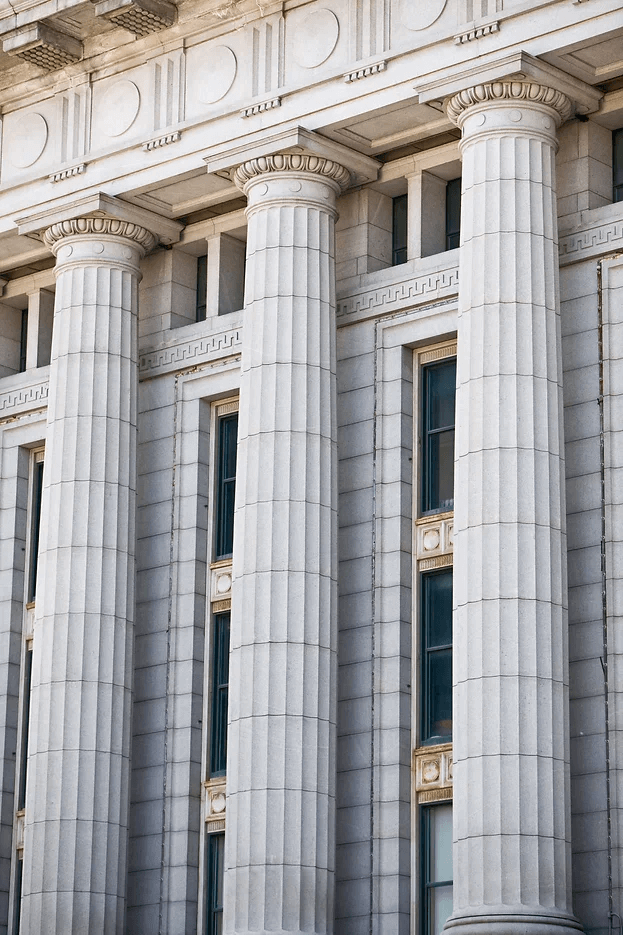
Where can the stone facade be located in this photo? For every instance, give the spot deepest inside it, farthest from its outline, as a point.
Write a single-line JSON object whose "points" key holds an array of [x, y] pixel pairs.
{"points": [[310, 469]]}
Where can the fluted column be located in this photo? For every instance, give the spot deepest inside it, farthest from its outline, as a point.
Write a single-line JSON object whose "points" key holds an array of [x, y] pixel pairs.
{"points": [[78, 773], [279, 860], [511, 747]]}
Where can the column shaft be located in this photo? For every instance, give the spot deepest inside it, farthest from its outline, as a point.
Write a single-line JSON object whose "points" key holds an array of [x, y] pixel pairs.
{"points": [[511, 775], [78, 775], [281, 761]]}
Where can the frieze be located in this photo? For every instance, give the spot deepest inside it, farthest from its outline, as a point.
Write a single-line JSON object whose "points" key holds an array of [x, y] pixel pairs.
{"points": [[21, 400], [439, 284], [591, 242], [210, 347]]}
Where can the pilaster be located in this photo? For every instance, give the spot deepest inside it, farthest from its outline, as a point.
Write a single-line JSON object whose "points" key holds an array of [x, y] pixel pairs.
{"points": [[512, 871]]}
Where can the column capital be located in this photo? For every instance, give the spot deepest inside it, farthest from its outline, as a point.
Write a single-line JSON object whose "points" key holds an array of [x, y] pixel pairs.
{"points": [[297, 150], [513, 78], [512, 91], [292, 162], [99, 215], [95, 226]]}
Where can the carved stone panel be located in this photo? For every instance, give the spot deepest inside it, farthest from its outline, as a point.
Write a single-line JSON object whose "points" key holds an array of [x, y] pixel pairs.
{"points": [[432, 770]]}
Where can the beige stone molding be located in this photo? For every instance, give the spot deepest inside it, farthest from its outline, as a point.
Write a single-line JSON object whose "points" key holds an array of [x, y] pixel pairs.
{"points": [[527, 92], [216, 804], [221, 581], [96, 227], [285, 162], [603, 238], [434, 536], [433, 772]]}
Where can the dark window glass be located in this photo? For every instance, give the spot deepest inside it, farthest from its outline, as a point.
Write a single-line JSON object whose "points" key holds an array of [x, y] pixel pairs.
{"points": [[36, 526], [226, 485], [19, 873], [436, 867], [21, 797], [617, 164], [399, 230], [438, 395], [23, 338], [202, 287], [453, 214], [216, 863], [436, 700], [220, 688]]}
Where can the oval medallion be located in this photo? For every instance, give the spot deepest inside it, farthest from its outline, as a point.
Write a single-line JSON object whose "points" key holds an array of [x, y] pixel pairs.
{"points": [[316, 38], [216, 74], [118, 107], [28, 138], [416, 15]]}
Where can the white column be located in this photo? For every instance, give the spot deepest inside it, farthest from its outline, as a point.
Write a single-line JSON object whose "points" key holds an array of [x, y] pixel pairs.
{"points": [[78, 767], [512, 870], [279, 861]]}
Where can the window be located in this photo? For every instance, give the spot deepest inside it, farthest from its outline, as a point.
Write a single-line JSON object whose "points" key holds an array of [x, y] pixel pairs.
{"points": [[35, 525], [226, 485], [438, 395], [617, 165], [436, 867], [400, 207], [436, 643], [453, 213], [202, 288], [216, 862], [220, 680], [23, 340]]}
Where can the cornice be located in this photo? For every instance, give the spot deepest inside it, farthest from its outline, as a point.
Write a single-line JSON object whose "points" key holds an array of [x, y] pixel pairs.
{"points": [[528, 92]]}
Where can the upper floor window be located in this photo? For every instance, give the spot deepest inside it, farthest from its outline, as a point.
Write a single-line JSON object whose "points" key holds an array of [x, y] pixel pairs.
{"points": [[202, 288], [438, 395], [35, 523], [216, 866], [400, 207], [617, 165], [436, 867], [226, 485], [220, 690], [436, 644], [453, 213]]}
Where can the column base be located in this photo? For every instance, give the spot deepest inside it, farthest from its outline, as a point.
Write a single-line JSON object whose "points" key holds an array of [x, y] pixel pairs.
{"points": [[512, 920]]}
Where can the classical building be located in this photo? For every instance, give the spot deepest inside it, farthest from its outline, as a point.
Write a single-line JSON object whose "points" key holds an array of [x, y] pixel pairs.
{"points": [[311, 467]]}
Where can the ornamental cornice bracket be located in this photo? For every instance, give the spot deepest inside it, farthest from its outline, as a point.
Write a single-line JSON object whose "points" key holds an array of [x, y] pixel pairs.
{"points": [[100, 214], [511, 77], [297, 149]]}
